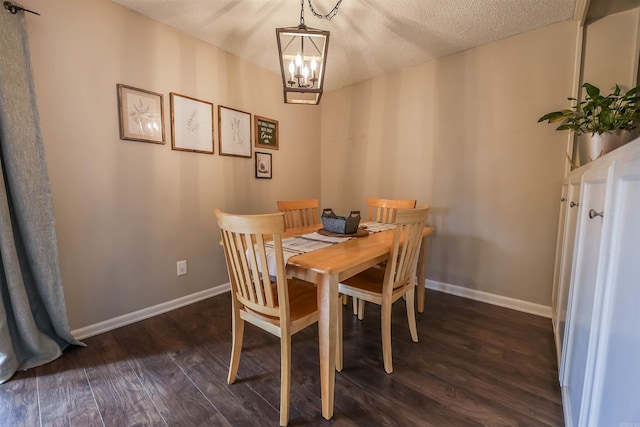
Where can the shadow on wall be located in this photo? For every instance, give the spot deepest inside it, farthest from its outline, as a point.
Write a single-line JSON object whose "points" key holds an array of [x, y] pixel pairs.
{"points": [[454, 250], [451, 259], [468, 261]]}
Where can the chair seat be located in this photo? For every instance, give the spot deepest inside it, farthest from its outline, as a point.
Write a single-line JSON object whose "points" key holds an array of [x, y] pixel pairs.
{"points": [[367, 285], [303, 299], [303, 306], [370, 280]]}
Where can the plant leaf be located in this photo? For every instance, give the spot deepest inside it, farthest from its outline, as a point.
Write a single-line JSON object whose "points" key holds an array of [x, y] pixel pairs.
{"points": [[592, 91], [616, 91], [632, 91], [553, 116]]}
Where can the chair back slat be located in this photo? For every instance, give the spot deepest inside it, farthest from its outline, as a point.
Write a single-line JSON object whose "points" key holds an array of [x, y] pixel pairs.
{"points": [[254, 276], [405, 250], [384, 210], [231, 244], [247, 241], [299, 213]]}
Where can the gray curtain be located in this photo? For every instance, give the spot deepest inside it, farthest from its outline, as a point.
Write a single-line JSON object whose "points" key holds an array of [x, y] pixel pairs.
{"points": [[33, 320]]}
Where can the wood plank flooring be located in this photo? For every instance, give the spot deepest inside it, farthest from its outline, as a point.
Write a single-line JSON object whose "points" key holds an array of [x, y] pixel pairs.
{"points": [[475, 364]]}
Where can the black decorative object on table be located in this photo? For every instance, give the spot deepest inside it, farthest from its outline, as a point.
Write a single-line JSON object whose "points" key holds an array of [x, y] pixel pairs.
{"points": [[340, 224]]}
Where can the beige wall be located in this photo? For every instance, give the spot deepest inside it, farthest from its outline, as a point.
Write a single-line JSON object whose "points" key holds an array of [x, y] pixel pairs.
{"points": [[127, 211], [611, 51], [460, 133]]}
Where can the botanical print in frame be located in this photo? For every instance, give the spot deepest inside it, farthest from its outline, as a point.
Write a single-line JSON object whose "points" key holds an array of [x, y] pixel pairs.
{"points": [[141, 114], [234, 132], [266, 132], [263, 165], [191, 124]]}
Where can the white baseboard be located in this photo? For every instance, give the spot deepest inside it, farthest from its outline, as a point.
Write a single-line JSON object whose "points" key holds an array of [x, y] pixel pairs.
{"points": [[145, 313], [512, 303]]}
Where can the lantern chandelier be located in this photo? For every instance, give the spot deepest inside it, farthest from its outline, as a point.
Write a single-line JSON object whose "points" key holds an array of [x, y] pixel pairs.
{"points": [[303, 57]]}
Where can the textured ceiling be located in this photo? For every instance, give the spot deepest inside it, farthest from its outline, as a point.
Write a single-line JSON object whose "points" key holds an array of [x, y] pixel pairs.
{"points": [[368, 37]]}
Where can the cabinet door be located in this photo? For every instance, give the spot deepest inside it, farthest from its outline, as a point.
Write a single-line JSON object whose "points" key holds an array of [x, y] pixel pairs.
{"points": [[615, 400], [559, 245], [578, 342], [565, 262]]}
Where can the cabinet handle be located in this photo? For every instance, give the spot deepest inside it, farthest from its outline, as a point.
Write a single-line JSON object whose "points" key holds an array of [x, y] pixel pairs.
{"points": [[562, 200], [593, 213], [573, 204]]}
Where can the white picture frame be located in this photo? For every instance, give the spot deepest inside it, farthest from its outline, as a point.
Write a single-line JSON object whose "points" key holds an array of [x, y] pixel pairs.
{"points": [[191, 124], [234, 132], [140, 114]]}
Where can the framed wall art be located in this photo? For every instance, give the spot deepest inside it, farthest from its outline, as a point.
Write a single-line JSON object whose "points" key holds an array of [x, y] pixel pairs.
{"points": [[263, 165], [266, 132], [234, 132], [191, 124], [141, 114]]}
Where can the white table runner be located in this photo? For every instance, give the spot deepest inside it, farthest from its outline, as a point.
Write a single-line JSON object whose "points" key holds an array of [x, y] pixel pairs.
{"points": [[375, 226], [292, 246]]}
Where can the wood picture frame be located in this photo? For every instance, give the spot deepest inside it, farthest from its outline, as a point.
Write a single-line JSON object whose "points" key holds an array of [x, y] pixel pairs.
{"points": [[264, 167], [191, 124], [266, 132], [140, 114], [234, 132]]}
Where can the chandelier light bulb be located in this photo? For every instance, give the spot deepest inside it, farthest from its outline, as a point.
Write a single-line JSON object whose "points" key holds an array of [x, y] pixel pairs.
{"points": [[314, 66], [292, 70]]}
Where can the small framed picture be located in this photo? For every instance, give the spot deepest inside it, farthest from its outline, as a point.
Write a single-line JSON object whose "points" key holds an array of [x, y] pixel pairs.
{"points": [[234, 132], [141, 114], [263, 165], [191, 124], [266, 133]]}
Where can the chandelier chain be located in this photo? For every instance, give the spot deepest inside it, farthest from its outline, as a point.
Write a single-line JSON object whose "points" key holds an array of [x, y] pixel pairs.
{"points": [[329, 15]]}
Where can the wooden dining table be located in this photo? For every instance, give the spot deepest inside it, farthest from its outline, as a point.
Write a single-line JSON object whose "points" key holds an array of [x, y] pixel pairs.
{"points": [[329, 266]]}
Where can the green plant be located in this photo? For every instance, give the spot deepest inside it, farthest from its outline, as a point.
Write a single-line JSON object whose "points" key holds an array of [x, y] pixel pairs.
{"points": [[598, 113]]}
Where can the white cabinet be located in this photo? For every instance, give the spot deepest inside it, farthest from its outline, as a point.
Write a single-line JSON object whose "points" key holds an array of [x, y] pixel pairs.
{"points": [[600, 352], [569, 204], [614, 398], [583, 288]]}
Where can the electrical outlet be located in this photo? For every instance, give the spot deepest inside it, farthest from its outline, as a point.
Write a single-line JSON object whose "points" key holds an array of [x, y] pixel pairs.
{"points": [[181, 268]]}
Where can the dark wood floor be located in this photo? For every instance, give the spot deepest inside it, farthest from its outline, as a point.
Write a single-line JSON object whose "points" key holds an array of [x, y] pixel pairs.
{"points": [[475, 364]]}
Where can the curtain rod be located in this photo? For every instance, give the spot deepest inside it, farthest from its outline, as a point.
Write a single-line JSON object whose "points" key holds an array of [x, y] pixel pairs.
{"points": [[13, 9]]}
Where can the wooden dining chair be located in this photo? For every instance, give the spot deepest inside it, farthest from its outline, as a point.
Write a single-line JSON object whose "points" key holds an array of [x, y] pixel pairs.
{"points": [[281, 308], [298, 213], [381, 210], [397, 279], [384, 210]]}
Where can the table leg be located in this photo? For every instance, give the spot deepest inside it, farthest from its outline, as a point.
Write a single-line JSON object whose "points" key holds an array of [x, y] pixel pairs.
{"points": [[328, 306], [422, 274]]}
